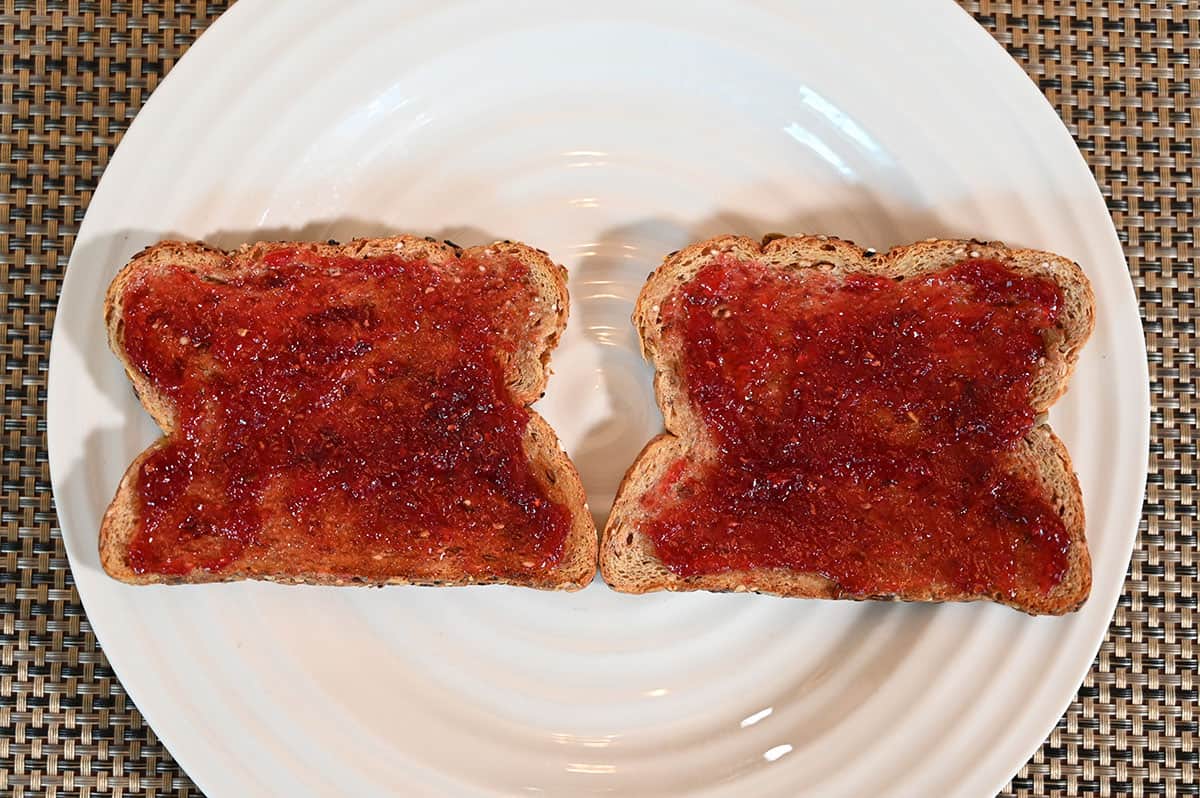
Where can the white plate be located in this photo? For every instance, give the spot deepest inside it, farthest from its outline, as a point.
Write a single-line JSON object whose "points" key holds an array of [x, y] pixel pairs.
{"points": [[610, 134]]}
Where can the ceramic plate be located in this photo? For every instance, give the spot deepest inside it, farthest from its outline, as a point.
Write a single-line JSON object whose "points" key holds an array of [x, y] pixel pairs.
{"points": [[609, 134]]}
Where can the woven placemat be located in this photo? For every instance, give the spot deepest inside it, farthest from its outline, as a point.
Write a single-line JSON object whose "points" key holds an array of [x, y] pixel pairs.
{"points": [[1124, 77]]}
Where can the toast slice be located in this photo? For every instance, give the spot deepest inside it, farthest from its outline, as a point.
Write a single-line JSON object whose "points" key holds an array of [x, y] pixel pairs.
{"points": [[345, 414], [660, 534]]}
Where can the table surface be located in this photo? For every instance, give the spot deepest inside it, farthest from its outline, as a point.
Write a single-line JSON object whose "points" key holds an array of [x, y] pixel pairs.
{"points": [[1125, 77]]}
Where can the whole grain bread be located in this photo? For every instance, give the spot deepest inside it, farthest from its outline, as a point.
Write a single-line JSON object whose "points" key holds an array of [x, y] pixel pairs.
{"points": [[627, 558], [526, 371]]}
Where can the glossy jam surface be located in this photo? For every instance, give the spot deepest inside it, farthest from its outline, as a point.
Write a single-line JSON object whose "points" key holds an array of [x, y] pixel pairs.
{"points": [[860, 425], [344, 416]]}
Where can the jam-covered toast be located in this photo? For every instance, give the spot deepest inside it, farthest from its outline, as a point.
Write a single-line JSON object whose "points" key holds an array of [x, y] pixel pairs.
{"points": [[345, 414], [847, 424]]}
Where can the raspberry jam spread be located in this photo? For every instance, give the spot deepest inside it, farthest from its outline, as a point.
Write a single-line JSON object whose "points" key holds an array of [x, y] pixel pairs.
{"points": [[861, 426], [339, 415]]}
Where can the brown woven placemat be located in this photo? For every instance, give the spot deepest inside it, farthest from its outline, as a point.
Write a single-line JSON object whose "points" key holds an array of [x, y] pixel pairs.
{"points": [[1124, 77]]}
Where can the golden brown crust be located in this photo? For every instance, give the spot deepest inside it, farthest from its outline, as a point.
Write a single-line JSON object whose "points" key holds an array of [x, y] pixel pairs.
{"points": [[627, 559], [527, 375]]}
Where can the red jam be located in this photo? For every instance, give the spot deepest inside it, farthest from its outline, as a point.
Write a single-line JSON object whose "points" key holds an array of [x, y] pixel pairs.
{"points": [[861, 426], [346, 416]]}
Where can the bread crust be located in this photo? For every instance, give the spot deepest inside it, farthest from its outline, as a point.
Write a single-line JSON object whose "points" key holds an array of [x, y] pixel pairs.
{"points": [[526, 375], [627, 558]]}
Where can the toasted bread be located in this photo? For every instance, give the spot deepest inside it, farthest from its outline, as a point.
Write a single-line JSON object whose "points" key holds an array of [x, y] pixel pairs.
{"points": [[628, 558], [282, 549]]}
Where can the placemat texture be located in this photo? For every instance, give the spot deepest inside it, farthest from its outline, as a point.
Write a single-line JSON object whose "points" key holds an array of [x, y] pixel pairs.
{"points": [[1124, 77]]}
